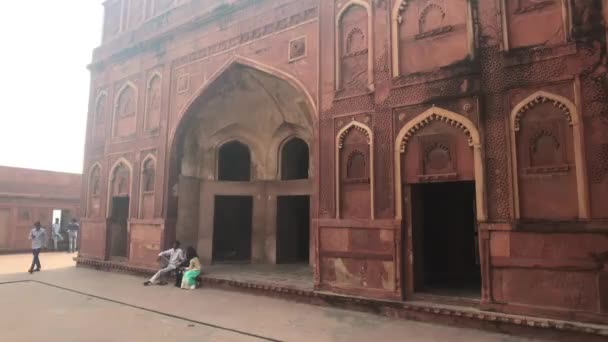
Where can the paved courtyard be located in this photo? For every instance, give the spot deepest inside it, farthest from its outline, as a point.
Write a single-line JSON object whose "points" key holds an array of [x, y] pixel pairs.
{"points": [[65, 303]]}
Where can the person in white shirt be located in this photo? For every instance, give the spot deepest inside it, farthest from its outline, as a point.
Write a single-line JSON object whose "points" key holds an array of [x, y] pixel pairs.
{"points": [[56, 233], [172, 258], [38, 237]]}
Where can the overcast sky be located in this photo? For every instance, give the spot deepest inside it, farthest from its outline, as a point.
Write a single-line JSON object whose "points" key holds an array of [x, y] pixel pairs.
{"points": [[44, 84]]}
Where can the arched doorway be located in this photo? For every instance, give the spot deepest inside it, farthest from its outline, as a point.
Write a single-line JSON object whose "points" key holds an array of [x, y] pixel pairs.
{"points": [[293, 211], [439, 186], [227, 171]]}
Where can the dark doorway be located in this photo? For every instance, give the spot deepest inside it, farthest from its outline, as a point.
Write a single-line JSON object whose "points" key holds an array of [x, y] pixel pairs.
{"points": [[232, 228], [234, 162], [118, 227], [294, 160], [444, 231], [293, 229]]}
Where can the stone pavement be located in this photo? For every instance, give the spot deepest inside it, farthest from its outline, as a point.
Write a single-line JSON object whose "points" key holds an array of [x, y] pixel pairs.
{"points": [[65, 303]]}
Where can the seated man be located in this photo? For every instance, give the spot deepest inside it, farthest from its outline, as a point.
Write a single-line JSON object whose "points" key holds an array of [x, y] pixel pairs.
{"points": [[173, 258]]}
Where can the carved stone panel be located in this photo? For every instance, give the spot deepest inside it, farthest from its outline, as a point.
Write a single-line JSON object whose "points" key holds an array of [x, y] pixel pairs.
{"points": [[297, 49], [438, 152], [125, 111], [438, 157], [121, 181], [354, 49], [153, 104], [94, 190], [355, 184], [545, 159], [523, 18], [99, 116], [431, 34]]}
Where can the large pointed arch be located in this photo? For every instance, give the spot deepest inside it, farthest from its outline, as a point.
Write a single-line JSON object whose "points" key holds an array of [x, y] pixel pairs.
{"points": [[370, 140], [454, 119], [171, 166], [571, 113]]}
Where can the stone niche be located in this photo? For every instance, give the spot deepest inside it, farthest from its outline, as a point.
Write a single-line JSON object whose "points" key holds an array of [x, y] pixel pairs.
{"points": [[125, 111], [355, 166], [523, 18], [354, 50], [438, 153], [430, 34], [546, 167]]}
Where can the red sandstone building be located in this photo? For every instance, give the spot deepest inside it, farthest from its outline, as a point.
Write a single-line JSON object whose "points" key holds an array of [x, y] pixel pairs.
{"points": [[405, 149], [27, 196]]}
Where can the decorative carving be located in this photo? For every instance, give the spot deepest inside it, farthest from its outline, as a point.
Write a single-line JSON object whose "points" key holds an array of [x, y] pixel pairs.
{"points": [[149, 175], [126, 104], [544, 148], [355, 43], [153, 102], [356, 165], [354, 49], [539, 100], [435, 32], [183, 83], [429, 120], [121, 180], [525, 6], [437, 157], [246, 37], [402, 7], [297, 48], [437, 160], [94, 181], [431, 18], [345, 133]]}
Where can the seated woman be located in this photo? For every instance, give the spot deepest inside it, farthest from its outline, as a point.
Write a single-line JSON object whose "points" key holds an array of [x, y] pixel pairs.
{"points": [[193, 270]]}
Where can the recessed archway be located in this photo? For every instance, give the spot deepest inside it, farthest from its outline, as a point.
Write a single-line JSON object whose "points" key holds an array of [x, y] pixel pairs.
{"points": [[234, 133]]}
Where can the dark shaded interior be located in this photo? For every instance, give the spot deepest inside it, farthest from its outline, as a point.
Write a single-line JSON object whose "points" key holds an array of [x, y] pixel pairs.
{"points": [[293, 229], [234, 162], [446, 257], [294, 160], [118, 232], [232, 228]]}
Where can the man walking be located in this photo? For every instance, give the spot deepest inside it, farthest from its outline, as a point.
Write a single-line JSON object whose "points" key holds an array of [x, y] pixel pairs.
{"points": [[38, 236], [172, 258], [73, 228], [56, 233]]}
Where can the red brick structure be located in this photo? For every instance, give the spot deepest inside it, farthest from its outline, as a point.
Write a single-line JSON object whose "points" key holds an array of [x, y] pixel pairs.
{"points": [[27, 196], [407, 149]]}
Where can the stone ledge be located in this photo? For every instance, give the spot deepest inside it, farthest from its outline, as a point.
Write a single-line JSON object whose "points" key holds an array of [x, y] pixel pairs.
{"points": [[460, 316]]}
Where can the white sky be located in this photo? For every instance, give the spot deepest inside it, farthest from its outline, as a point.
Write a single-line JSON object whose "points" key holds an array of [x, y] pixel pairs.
{"points": [[45, 46]]}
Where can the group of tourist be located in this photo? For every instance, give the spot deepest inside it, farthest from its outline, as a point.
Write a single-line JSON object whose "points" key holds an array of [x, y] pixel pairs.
{"points": [[187, 267], [38, 237]]}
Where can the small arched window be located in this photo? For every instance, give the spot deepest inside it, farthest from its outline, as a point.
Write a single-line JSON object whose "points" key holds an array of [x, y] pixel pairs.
{"points": [[294, 160], [234, 162]]}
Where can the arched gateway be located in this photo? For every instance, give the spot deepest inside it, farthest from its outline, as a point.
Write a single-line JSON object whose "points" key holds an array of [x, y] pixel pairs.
{"points": [[226, 187]]}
